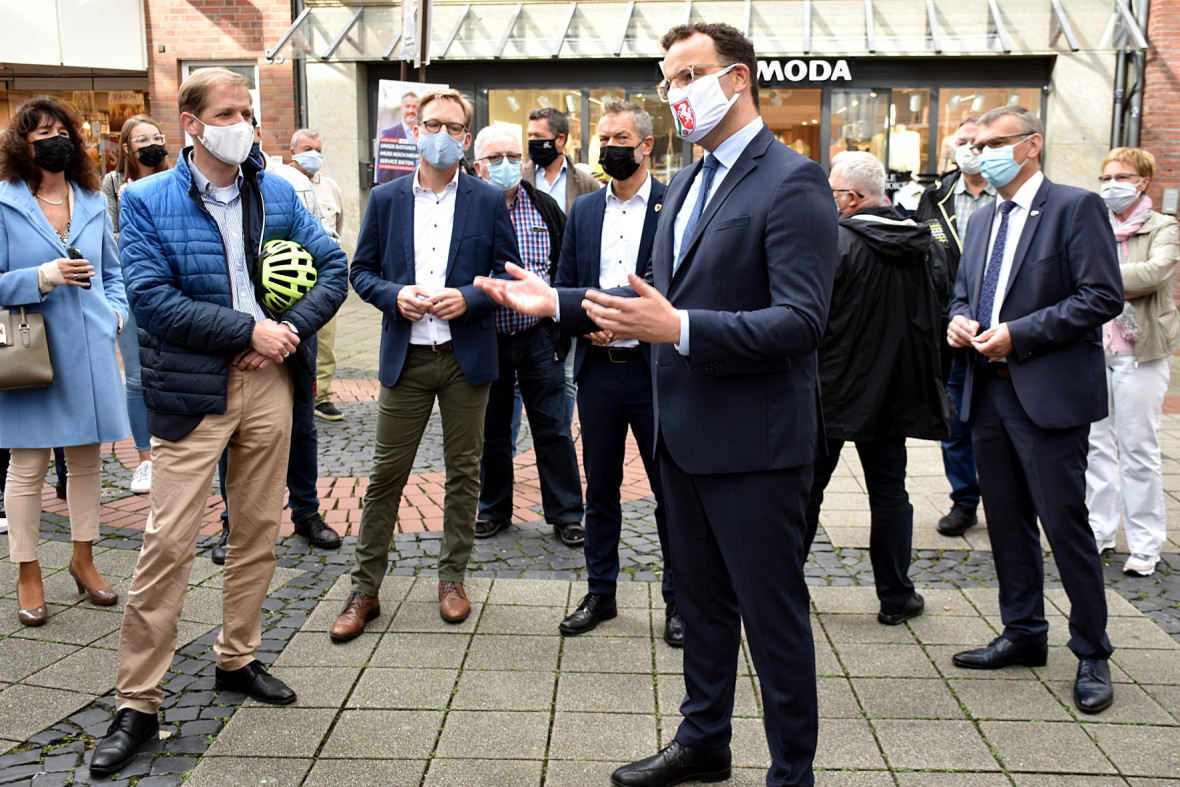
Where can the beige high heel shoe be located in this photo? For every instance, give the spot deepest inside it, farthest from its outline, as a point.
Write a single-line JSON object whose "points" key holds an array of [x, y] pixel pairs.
{"points": [[106, 597]]}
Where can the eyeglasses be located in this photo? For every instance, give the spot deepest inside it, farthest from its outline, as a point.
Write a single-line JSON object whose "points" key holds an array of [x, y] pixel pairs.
{"points": [[496, 159], [847, 191], [434, 126], [1122, 177], [998, 142], [158, 139], [683, 79]]}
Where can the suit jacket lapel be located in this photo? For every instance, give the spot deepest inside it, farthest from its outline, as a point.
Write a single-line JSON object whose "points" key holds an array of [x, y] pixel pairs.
{"points": [[404, 204], [650, 222], [590, 275], [1031, 222], [666, 230], [462, 209], [976, 284]]}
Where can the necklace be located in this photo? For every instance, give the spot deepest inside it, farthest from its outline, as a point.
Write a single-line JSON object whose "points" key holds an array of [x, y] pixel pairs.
{"points": [[48, 201]]}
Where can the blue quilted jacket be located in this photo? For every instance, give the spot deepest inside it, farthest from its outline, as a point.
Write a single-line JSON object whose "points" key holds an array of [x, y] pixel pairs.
{"points": [[178, 284]]}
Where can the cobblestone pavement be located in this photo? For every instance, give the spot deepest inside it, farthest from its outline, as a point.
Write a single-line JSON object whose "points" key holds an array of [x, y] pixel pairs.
{"points": [[503, 700]]}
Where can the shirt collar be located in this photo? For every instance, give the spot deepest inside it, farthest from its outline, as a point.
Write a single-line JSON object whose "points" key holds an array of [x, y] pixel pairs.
{"points": [[728, 151], [642, 195], [202, 183], [452, 186], [961, 188], [1025, 194]]}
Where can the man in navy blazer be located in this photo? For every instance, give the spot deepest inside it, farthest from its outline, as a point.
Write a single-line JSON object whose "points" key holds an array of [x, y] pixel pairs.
{"points": [[740, 282], [1038, 278], [609, 235], [423, 240]]}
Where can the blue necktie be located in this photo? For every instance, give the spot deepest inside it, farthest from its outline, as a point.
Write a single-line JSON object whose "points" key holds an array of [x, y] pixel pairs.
{"points": [[991, 277], [708, 170]]}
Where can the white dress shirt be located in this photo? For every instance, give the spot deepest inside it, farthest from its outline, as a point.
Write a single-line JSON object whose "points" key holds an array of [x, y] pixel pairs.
{"points": [[622, 232], [727, 154], [1016, 218], [556, 189], [434, 222]]}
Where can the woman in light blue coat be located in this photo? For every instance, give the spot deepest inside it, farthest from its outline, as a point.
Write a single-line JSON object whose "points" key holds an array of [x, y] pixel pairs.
{"points": [[50, 202]]}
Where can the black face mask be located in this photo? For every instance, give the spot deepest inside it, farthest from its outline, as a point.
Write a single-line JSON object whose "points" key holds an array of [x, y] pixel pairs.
{"points": [[53, 154], [543, 151], [618, 161], [151, 155]]}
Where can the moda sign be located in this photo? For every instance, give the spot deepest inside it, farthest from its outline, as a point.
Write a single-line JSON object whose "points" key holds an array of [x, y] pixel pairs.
{"points": [[804, 71]]}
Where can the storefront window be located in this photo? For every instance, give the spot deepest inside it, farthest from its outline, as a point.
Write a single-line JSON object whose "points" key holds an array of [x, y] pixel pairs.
{"points": [[513, 106], [859, 119], [793, 117], [960, 103]]}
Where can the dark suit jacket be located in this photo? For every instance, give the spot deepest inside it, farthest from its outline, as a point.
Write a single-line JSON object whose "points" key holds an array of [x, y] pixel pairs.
{"points": [[581, 250], [756, 280], [1064, 285], [481, 242]]}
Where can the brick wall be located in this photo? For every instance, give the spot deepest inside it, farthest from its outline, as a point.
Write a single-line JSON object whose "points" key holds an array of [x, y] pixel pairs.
{"points": [[238, 30]]}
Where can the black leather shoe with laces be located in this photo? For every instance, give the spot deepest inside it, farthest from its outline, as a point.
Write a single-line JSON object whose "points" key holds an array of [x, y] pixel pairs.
{"points": [[673, 626], [675, 764], [254, 681], [1092, 690], [116, 751], [218, 553], [592, 610], [317, 533]]}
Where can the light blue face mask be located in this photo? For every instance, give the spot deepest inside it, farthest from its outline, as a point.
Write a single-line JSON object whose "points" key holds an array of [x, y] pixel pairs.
{"points": [[506, 175], [309, 161], [998, 166], [441, 150]]}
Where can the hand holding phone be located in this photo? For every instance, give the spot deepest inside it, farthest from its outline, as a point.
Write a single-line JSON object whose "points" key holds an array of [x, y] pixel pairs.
{"points": [[82, 270]]}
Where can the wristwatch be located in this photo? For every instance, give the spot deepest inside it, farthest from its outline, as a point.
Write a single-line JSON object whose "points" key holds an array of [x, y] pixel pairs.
{"points": [[290, 325]]}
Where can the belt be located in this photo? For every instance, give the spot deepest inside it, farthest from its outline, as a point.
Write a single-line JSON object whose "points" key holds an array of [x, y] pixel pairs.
{"points": [[442, 347], [999, 370], [618, 354]]}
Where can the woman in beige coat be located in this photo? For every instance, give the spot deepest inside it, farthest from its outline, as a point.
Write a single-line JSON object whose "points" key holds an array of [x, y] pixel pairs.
{"points": [[1125, 473]]}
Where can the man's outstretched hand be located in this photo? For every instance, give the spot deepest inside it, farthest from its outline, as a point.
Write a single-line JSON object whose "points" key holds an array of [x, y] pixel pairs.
{"points": [[526, 292]]}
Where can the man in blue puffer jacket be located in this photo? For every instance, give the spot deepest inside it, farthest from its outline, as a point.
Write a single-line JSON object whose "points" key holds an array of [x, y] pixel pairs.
{"points": [[217, 370]]}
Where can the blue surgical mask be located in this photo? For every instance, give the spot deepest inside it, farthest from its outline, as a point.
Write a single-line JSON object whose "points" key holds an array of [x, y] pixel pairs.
{"points": [[309, 161], [998, 166], [506, 175], [441, 150]]}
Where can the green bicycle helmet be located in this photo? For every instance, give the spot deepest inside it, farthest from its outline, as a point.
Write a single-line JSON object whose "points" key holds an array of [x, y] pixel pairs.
{"points": [[287, 274]]}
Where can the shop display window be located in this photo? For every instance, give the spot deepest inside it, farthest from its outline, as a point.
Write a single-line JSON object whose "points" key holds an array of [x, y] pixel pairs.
{"points": [[960, 103]]}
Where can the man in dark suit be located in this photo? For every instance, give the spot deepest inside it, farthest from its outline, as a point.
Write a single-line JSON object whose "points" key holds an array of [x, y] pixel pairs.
{"points": [[608, 237], [741, 274], [423, 240], [1038, 278]]}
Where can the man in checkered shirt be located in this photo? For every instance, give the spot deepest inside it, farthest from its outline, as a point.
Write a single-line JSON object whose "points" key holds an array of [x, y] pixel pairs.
{"points": [[532, 353]]}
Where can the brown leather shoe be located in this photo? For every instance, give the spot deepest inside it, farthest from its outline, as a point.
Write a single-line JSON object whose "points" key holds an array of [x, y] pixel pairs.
{"points": [[452, 602], [358, 610]]}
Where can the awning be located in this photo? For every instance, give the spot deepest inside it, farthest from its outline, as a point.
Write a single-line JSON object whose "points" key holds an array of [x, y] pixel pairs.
{"points": [[546, 29]]}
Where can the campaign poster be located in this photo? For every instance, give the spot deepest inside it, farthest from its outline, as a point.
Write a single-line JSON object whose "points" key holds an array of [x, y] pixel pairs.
{"points": [[397, 112]]}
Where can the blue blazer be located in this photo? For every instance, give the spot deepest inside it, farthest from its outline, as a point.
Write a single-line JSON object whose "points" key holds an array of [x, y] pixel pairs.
{"points": [[482, 240], [755, 280], [1064, 285], [581, 250]]}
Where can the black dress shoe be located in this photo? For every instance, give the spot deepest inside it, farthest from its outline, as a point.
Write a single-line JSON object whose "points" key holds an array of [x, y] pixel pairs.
{"points": [[675, 764], [317, 533], [673, 626], [116, 751], [1092, 691], [217, 554], [254, 681], [958, 520], [1002, 653], [911, 609], [592, 609]]}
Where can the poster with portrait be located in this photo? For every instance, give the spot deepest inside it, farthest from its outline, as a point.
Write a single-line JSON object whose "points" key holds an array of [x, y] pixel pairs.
{"points": [[397, 112]]}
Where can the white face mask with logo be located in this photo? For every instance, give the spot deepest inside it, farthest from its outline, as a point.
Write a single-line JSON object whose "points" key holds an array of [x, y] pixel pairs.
{"points": [[230, 144], [700, 107]]}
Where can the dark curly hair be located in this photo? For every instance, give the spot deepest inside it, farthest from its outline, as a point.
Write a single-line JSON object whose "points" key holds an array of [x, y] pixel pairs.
{"points": [[16, 158]]}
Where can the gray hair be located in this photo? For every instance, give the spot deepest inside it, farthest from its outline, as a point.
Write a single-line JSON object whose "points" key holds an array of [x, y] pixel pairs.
{"points": [[639, 117], [1028, 121], [489, 133], [303, 132], [862, 173]]}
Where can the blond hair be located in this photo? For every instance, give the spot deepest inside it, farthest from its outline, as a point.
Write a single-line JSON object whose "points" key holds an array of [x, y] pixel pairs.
{"points": [[193, 94], [1137, 158], [448, 94]]}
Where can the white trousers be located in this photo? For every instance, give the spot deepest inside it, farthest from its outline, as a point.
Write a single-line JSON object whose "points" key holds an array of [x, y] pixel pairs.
{"points": [[1124, 469]]}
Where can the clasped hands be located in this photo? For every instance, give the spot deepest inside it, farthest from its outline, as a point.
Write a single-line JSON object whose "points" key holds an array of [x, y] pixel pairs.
{"points": [[416, 302], [994, 343], [648, 317], [271, 342]]}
